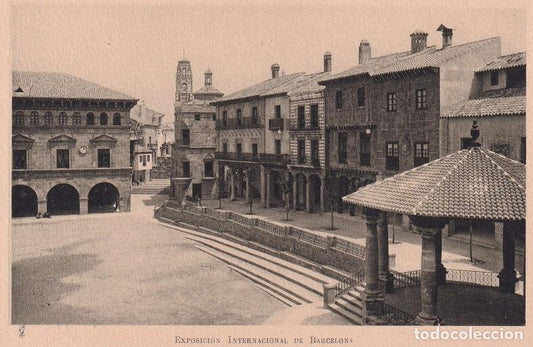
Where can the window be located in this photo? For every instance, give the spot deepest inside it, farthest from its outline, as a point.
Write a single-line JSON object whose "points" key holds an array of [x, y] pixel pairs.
{"points": [[301, 117], [117, 119], [197, 117], [421, 153], [338, 99], [62, 118], [391, 102], [186, 169], [277, 110], [19, 159], [149, 140], [361, 97], [301, 151], [144, 160], [523, 150], [208, 168], [239, 149], [494, 78], [63, 161], [364, 149], [466, 142], [148, 157], [214, 117], [254, 150], [48, 118], [140, 159], [34, 118], [277, 146], [314, 116], [89, 118], [254, 116], [103, 119], [186, 138], [225, 118], [239, 117], [342, 147], [19, 118], [104, 157], [421, 99], [392, 161], [224, 148], [314, 152], [76, 118]]}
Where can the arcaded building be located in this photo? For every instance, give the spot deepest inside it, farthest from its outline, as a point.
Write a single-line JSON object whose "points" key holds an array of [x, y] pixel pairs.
{"points": [[193, 155], [70, 146]]}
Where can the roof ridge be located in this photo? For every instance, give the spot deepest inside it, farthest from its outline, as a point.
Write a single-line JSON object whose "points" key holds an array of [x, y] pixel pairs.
{"points": [[425, 198], [499, 167]]}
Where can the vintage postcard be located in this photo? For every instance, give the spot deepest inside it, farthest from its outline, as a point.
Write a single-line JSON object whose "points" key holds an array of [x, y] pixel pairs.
{"points": [[264, 173]]}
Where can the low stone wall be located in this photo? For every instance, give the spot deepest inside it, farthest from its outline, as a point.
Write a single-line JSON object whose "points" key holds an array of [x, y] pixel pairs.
{"points": [[326, 250]]}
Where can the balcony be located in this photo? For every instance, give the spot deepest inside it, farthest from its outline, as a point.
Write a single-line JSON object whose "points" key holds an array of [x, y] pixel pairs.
{"points": [[236, 156], [152, 145], [282, 159], [234, 123], [275, 124]]}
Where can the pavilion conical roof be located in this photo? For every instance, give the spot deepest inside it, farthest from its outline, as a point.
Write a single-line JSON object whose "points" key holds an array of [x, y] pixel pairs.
{"points": [[472, 183]]}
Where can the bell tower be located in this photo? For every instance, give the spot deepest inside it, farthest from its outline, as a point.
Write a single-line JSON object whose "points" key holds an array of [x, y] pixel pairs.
{"points": [[183, 81]]}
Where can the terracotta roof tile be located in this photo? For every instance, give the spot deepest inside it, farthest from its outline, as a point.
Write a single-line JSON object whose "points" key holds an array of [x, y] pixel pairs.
{"points": [[60, 85], [509, 101], [472, 183], [505, 61], [208, 90]]}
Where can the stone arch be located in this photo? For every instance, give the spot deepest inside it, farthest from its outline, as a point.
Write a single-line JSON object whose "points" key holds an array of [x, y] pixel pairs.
{"points": [[103, 197], [23, 201], [63, 199], [315, 192], [117, 120], [103, 118], [300, 180]]}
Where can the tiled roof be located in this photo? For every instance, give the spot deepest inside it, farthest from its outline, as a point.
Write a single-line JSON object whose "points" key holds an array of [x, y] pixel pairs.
{"points": [[208, 90], [472, 183], [145, 115], [309, 84], [60, 85], [505, 61], [259, 89], [430, 57], [507, 101]]}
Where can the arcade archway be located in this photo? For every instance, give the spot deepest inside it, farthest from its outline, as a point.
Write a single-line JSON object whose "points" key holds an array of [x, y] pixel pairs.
{"points": [[103, 197], [23, 201], [63, 199]]}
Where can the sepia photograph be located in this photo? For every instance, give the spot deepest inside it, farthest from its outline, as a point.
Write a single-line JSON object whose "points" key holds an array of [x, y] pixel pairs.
{"points": [[323, 166]]}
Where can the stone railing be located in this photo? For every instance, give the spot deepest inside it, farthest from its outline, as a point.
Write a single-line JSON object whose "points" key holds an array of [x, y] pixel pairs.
{"points": [[349, 247], [270, 227], [472, 277], [309, 237]]}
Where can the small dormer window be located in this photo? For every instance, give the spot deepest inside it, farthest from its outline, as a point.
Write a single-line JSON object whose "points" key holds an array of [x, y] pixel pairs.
{"points": [[494, 78], [19, 90]]}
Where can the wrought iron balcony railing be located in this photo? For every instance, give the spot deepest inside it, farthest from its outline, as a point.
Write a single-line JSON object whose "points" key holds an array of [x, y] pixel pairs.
{"points": [[236, 156], [235, 123], [275, 124], [274, 158]]}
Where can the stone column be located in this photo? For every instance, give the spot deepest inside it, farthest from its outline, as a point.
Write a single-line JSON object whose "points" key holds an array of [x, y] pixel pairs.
{"points": [[232, 185], [322, 195], [247, 183], [267, 188], [451, 227], [406, 224], [385, 277], [498, 235], [429, 228], [507, 275], [308, 194], [42, 206], [441, 270], [84, 206], [371, 255], [294, 194]]}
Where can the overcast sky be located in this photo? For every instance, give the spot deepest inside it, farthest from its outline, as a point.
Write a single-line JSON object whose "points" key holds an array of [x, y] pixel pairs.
{"points": [[134, 47]]}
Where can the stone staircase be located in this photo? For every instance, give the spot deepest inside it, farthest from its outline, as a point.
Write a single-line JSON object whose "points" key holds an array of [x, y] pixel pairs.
{"points": [[350, 305], [153, 187]]}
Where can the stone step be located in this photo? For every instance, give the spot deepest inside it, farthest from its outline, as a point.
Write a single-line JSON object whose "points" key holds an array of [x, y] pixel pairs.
{"points": [[315, 276], [281, 295], [357, 295], [303, 294], [274, 268], [348, 306], [347, 314], [353, 300]]}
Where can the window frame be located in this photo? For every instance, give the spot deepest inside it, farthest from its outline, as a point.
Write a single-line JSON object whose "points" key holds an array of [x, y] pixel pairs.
{"points": [[364, 149], [34, 118], [89, 118], [391, 102], [338, 100], [16, 153], [19, 118], [392, 156], [76, 118], [277, 111], [48, 118], [342, 147], [421, 102], [240, 123], [301, 117], [301, 151], [255, 120], [62, 164], [255, 150], [314, 116], [197, 117], [103, 157], [277, 147], [421, 153], [117, 119], [62, 118], [211, 169], [315, 156], [361, 97], [103, 119], [494, 78]]}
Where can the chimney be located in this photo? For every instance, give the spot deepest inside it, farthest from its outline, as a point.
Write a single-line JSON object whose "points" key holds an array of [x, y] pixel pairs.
{"points": [[447, 34], [364, 52], [208, 77], [275, 70], [418, 41], [327, 61]]}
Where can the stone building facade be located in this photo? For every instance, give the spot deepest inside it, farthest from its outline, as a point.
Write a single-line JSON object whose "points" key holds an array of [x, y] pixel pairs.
{"points": [[193, 155], [382, 116], [70, 146]]}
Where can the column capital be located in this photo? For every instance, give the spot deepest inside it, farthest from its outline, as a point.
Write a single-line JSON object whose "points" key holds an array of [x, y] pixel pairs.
{"points": [[371, 214], [428, 222]]}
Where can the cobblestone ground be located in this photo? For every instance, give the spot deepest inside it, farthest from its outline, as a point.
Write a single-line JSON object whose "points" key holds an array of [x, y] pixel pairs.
{"points": [[354, 226], [124, 269]]}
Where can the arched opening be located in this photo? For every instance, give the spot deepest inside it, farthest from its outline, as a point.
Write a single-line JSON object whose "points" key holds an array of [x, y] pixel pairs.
{"points": [[116, 119], [103, 197], [301, 186], [103, 119], [63, 199], [23, 201], [315, 192], [89, 120]]}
